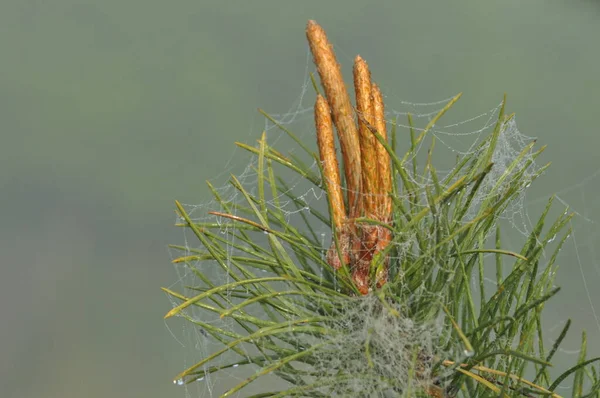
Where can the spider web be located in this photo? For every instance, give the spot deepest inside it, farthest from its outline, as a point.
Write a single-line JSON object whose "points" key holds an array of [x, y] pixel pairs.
{"points": [[454, 139]]}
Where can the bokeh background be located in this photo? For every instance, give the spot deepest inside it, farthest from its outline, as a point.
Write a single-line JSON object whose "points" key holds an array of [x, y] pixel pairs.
{"points": [[110, 110]]}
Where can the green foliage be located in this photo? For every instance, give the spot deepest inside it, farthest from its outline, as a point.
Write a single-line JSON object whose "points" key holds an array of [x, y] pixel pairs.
{"points": [[292, 315]]}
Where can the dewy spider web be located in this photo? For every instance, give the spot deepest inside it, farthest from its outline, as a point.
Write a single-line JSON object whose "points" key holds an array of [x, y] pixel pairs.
{"points": [[300, 203]]}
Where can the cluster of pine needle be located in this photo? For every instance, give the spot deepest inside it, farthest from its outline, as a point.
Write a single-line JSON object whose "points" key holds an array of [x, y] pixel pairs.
{"points": [[415, 243]]}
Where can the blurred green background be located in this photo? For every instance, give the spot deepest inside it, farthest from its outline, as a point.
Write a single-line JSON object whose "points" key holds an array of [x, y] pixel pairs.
{"points": [[111, 110]]}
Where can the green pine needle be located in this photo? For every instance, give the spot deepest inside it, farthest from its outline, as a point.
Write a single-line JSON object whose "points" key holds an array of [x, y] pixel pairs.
{"points": [[291, 313]]}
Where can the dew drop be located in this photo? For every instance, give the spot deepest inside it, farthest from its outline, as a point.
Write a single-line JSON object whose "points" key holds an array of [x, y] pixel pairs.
{"points": [[552, 238], [200, 378], [178, 382], [235, 365], [468, 353]]}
